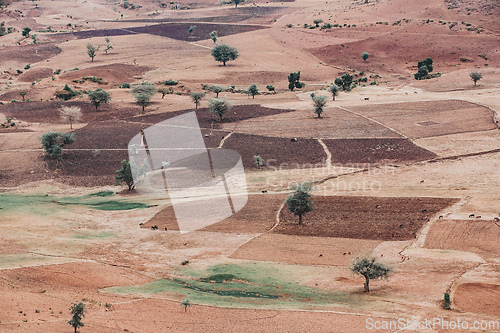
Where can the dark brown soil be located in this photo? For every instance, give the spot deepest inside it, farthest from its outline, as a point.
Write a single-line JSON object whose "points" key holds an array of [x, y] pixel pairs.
{"points": [[28, 54], [363, 217], [177, 31], [258, 215], [376, 151], [276, 152], [47, 111]]}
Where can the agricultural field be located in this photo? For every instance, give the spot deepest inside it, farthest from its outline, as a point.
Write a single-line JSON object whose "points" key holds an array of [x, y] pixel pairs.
{"points": [[401, 171]]}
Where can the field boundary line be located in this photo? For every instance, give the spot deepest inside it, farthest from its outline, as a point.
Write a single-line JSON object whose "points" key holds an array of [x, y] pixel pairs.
{"points": [[328, 154], [375, 121]]}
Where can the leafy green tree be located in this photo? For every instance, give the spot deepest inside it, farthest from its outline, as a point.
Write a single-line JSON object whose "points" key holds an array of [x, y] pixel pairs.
{"points": [[143, 100], [294, 81], [219, 107], [214, 36], [98, 97], [196, 96], [26, 32], [299, 202], [124, 175], [146, 87], [237, 2], [215, 89], [165, 91], [475, 76], [365, 56], [253, 90], [370, 269], [334, 90], [424, 68], [319, 103], [345, 81], [224, 53], [77, 313], [53, 143], [92, 51]]}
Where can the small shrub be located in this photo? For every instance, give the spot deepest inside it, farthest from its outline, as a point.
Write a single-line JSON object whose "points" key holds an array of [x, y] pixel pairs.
{"points": [[170, 82], [27, 66], [446, 301], [185, 262], [124, 85]]}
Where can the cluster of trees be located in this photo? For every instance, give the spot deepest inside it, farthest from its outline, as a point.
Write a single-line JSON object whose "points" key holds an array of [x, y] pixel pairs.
{"points": [[424, 68]]}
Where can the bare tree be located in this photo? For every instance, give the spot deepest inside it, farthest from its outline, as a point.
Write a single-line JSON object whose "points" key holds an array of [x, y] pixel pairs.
{"points": [[70, 114]]}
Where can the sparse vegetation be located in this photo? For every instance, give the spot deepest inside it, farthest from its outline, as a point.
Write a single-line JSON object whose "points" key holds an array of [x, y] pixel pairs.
{"points": [[319, 102], [124, 175], [253, 90], [344, 82], [271, 88], [259, 162], [365, 56], [53, 143], [370, 269], [294, 81], [66, 93], [92, 51]]}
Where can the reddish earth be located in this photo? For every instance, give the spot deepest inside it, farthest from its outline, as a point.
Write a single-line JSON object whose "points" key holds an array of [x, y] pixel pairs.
{"points": [[475, 235], [359, 217], [376, 151], [433, 118], [259, 215], [177, 31], [35, 74], [27, 54], [480, 298], [114, 74]]}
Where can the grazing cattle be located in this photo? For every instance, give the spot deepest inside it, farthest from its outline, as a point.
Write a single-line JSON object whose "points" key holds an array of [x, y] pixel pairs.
{"points": [[471, 215], [166, 229], [478, 217], [367, 98], [424, 211], [264, 191], [294, 140], [496, 219], [154, 227], [440, 216]]}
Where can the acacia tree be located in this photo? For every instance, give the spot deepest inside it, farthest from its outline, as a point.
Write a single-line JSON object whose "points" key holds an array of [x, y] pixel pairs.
{"points": [[92, 51], [214, 36], [98, 97], [26, 32], [165, 91], [23, 94], [334, 90], [108, 46], [143, 100], [185, 304], [370, 269], [475, 76], [224, 53], [253, 90], [70, 114], [77, 312], [144, 88], [125, 175], [219, 107], [299, 202], [196, 96], [319, 103]]}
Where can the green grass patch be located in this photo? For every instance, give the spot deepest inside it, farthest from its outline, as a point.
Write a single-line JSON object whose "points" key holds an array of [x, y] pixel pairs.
{"points": [[254, 285], [93, 235]]}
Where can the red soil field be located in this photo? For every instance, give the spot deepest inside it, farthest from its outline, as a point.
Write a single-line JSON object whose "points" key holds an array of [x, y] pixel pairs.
{"points": [[476, 236], [114, 74], [358, 217], [431, 118], [177, 31], [480, 298], [35, 74], [258, 215], [376, 151], [27, 53]]}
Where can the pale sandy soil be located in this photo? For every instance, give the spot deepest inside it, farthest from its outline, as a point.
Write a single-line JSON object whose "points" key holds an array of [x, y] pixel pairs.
{"points": [[52, 256]]}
